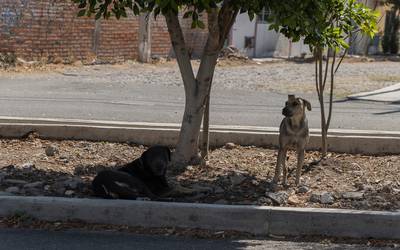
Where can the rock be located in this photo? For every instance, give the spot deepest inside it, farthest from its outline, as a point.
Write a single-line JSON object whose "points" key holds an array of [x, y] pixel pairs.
{"points": [[322, 197], [36, 184], [112, 164], [69, 193], [73, 183], [60, 191], [237, 179], [293, 200], [230, 145], [197, 189], [353, 195], [303, 189], [13, 190], [33, 191], [15, 182], [245, 202], [143, 199], [28, 165], [278, 198], [219, 190], [51, 150], [362, 204], [2, 177], [2, 193], [221, 202], [46, 188], [366, 187], [264, 201]]}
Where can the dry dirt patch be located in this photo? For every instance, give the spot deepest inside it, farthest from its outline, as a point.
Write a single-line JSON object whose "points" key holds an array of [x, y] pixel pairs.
{"points": [[239, 175]]}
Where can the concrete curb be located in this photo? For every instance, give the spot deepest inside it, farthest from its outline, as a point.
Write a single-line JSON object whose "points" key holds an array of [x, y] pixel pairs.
{"points": [[348, 141], [251, 219]]}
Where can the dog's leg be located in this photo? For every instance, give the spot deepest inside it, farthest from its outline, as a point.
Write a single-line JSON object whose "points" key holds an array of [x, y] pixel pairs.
{"points": [[284, 167], [300, 161], [281, 158]]}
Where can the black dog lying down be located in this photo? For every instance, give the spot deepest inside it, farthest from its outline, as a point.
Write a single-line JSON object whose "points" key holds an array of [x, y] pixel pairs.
{"points": [[144, 177]]}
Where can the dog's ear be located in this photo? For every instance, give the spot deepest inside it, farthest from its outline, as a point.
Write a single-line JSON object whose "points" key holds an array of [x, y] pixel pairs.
{"points": [[169, 153], [307, 103]]}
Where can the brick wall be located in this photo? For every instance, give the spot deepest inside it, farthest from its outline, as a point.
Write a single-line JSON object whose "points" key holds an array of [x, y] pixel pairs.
{"points": [[49, 29]]}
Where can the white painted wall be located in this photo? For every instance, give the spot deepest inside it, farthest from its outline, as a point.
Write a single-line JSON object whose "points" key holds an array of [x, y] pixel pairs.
{"points": [[268, 42], [241, 28]]}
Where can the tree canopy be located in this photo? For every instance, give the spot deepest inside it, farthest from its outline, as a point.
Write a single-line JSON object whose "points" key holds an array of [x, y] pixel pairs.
{"points": [[321, 23]]}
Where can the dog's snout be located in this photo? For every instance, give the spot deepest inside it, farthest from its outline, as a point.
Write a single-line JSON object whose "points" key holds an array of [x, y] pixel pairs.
{"points": [[286, 111]]}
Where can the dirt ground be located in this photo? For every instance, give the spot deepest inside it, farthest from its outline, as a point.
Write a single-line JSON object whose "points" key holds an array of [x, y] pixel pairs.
{"points": [[238, 175], [356, 74]]}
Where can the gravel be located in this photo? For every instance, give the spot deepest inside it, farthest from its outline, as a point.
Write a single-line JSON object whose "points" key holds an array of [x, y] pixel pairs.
{"points": [[280, 76], [232, 176]]}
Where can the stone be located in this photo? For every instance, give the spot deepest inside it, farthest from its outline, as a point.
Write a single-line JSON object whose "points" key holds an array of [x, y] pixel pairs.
{"points": [[51, 150], [201, 189], [303, 189], [36, 184], [69, 193], [2, 193], [221, 202], [15, 182], [322, 197], [2, 177], [278, 198], [327, 198], [353, 195], [293, 200], [13, 190], [361, 204], [218, 190], [264, 201], [33, 191], [60, 191], [366, 187], [237, 179], [28, 165], [112, 164], [73, 183], [230, 145]]}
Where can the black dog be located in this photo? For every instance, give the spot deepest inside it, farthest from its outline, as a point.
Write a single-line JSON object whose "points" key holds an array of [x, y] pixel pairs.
{"points": [[144, 177]]}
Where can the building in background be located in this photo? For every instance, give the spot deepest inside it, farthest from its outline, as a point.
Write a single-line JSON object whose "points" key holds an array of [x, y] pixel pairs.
{"points": [[256, 40]]}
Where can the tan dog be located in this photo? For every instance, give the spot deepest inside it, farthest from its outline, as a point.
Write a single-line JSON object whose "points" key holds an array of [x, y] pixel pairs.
{"points": [[293, 131]]}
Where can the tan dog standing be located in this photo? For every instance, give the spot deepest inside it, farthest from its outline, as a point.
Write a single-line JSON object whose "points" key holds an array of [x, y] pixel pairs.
{"points": [[293, 131]]}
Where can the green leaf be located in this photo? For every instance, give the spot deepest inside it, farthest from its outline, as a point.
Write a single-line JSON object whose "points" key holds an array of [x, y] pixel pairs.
{"points": [[81, 12]]}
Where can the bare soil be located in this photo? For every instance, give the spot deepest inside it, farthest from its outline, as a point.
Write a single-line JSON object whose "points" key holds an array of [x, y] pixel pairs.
{"points": [[240, 175], [356, 74]]}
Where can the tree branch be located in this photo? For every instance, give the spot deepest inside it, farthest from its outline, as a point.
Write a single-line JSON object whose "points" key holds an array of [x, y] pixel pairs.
{"points": [[331, 90], [181, 51]]}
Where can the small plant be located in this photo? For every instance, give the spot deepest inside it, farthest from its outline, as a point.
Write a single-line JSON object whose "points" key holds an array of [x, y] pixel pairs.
{"points": [[8, 60]]}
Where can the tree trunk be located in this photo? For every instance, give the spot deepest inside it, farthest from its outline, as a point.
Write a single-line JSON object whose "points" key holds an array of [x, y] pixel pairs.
{"points": [[320, 80], [144, 48], [197, 88], [205, 147]]}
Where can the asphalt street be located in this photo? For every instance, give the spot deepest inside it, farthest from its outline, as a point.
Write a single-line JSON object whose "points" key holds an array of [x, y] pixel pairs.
{"points": [[68, 97], [23, 239]]}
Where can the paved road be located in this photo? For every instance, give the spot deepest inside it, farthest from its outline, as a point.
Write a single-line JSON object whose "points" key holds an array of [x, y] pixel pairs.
{"points": [[18, 239], [69, 97]]}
